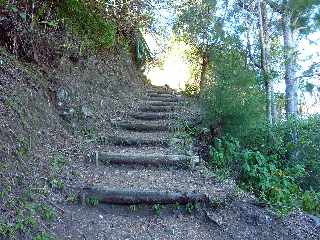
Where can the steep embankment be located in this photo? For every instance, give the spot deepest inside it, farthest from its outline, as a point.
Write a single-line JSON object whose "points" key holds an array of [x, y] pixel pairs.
{"points": [[48, 113]]}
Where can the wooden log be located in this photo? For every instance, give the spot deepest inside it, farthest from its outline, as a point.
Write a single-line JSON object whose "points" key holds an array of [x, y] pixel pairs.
{"points": [[160, 91], [162, 99], [135, 141], [132, 197], [164, 95], [156, 160], [141, 127], [160, 103], [157, 108], [151, 116]]}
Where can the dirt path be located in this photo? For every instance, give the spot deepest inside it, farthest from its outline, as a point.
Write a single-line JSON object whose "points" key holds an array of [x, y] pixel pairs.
{"points": [[228, 216]]}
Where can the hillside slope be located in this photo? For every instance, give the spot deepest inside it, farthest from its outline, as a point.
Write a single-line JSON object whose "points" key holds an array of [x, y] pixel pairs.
{"points": [[46, 113]]}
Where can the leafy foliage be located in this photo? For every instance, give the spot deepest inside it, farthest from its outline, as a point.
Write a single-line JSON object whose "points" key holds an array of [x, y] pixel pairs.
{"points": [[264, 167], [26, 219], [195, 22], [86, 21], [157, 209], [92, 201], [142, 52], [233, 98], [197, 26], [270, 180], [191, 89], [306, 146], [223, 152], [43, 236]]}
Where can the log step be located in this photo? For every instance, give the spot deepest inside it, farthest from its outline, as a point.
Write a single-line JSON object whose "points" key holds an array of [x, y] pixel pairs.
{"points": [[160, 91], [132, 197], [160, 103], [151, 116], [163, 99], [136, 141], [164, 95], [157, 160], [157, 108], [141, 127]]}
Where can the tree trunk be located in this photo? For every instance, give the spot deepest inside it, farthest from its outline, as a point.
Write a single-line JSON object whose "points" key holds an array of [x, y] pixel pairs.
{"points": [[157, 109], [274, 109], [204, 67], [290, 80], [152, 116], [265, 56], [136, 141]]}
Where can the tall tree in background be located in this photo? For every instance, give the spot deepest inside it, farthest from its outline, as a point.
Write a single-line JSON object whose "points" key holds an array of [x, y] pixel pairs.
{"points": [[296, 17], [196, 26], [255, 13], [265, 58], [289, 51]]}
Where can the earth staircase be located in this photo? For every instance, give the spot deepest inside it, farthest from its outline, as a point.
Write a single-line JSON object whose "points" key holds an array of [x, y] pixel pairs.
{"points": [[147, 145]]}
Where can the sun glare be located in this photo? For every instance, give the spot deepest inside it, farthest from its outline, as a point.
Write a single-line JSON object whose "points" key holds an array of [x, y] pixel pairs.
{"points": [[175, 69]]}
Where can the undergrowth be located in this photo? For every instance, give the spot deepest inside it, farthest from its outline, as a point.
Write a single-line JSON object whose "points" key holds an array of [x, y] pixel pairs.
{"points": [[264, 168], [25, 214]]}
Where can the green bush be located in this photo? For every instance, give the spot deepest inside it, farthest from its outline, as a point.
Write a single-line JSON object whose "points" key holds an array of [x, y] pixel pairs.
{"points": [[87, 22], [280, 144], [232, 99], [265, 170], [191, 89], [270, 180], [311, 201], [264, 159], [223, 152], [142, 51], [43, 236]]}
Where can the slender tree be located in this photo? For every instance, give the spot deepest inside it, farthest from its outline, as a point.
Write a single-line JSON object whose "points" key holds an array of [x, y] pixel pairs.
{"points": [[257, 10], [196, 25], [295, 18], [265, 58]]}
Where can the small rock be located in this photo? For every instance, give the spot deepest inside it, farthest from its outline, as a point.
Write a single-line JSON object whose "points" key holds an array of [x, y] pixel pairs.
{"points": [[62, 95], [86, 111], [100, 216], [254, 216], [215, 218], [71, 111], [258, 219], [265, 219], [170, 230], [315, 219]]}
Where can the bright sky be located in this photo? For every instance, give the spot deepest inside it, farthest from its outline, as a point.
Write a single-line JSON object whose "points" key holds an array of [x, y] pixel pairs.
{"points": [[310, 53], [175, 70]]}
